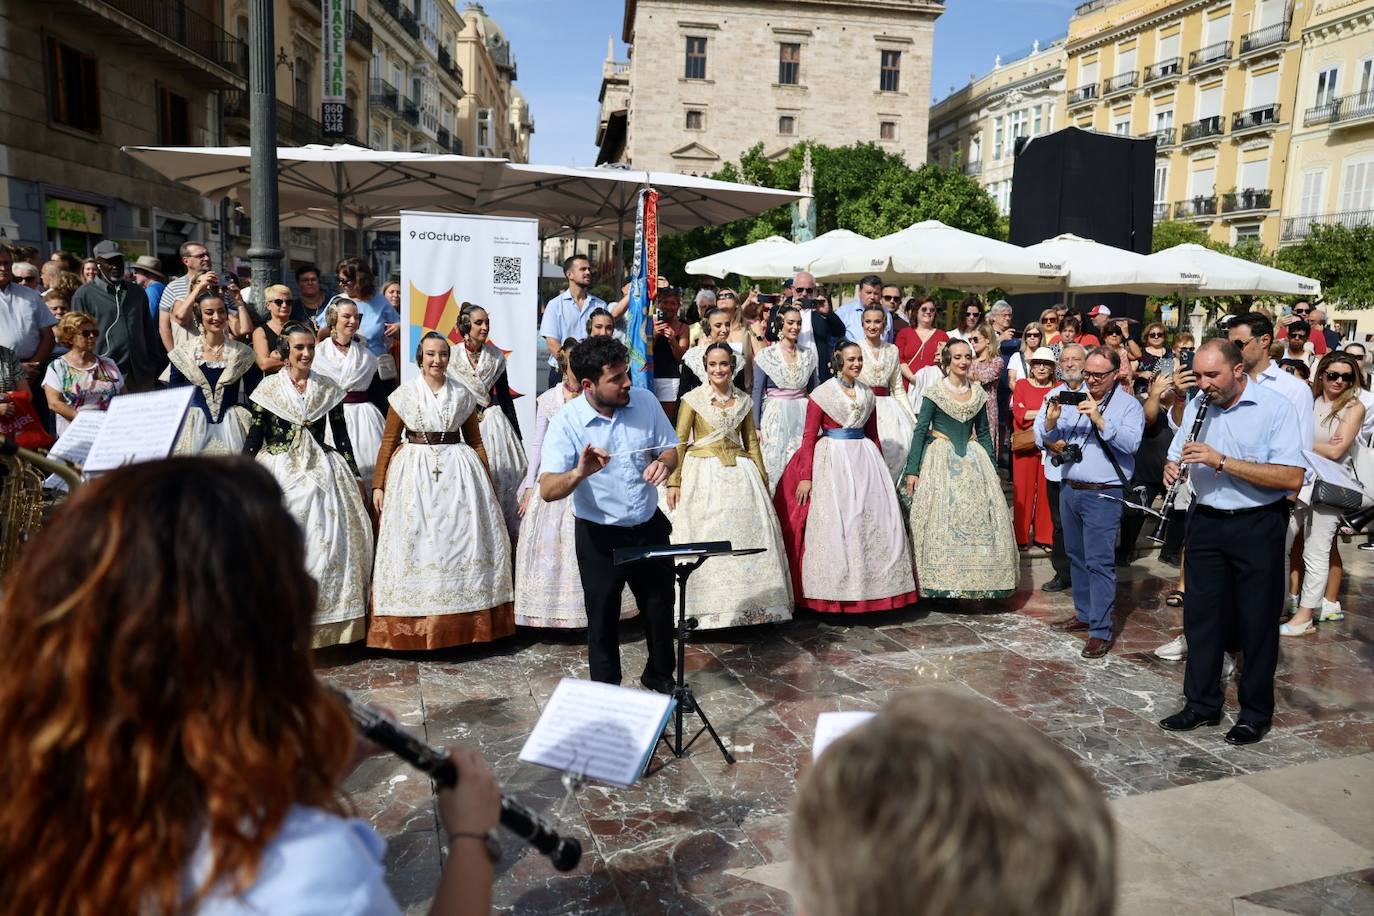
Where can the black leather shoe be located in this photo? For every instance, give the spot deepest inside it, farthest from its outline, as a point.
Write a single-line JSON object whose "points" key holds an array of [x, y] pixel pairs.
{"points": [[1185, 720], [657, 683], [1243, 733], [1056, 585]]}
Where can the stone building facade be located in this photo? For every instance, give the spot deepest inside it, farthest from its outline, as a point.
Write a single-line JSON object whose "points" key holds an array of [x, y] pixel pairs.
{"points": [[82, 79], [708, 79], [1214, 83], [976, 128]]}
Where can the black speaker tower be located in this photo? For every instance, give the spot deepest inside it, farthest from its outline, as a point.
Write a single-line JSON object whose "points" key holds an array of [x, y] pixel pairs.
{"points": [[1098, 186]]}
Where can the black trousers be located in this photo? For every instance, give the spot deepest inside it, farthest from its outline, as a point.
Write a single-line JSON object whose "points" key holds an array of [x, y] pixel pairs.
{"points": [[651, 582], [1059, 557], [1236, 571]]}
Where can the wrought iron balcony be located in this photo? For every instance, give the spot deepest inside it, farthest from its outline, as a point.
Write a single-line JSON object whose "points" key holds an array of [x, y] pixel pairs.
{"points": [[1119, 83], [358, 30], [1261, 118], [1161, 211], [1355, 107], [1164, 70], [1204, 129], [410, 111], [1210, 56], [1195, 208], [1163, 137], [1083, 94], [1296, 228], [974, 167], [1249, 199], [1267, 37], [199, 35], [443, 137], [380, 92], [295, 126], [407, 21]]}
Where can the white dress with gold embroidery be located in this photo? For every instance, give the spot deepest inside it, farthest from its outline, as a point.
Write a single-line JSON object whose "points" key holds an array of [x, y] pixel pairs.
{"points": [[504, 451], [882, 369], [353, 369], [442, 547], [782, 420], [322, 494]]}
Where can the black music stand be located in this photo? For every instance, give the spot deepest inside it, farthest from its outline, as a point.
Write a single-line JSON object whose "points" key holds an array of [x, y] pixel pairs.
{"points": [[697, 553]]}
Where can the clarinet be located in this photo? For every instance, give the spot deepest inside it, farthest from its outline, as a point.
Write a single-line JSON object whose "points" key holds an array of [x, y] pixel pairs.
{"points": [[563, 852], [1172, 496]]}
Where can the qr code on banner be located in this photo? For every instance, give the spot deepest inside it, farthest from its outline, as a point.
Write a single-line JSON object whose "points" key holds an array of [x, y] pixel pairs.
{"points": [[505, 270]]}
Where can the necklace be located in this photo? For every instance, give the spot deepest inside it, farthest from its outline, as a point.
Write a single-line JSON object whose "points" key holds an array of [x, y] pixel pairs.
{"points": [[844, 383], [571, 389]]}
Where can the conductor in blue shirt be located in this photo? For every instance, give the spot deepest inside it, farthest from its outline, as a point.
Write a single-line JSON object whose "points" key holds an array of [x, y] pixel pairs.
{"points": [[610, 450], [1100, 435], [1246, 459]]}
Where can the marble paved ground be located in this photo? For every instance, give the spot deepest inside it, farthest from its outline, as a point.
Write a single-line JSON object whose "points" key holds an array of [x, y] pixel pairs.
{"points": [[700, 836]]}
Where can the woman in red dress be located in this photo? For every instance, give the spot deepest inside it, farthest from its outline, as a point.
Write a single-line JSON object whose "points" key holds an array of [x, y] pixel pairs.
{"points": [[844, 532], [920, 344], [1031, 500]]}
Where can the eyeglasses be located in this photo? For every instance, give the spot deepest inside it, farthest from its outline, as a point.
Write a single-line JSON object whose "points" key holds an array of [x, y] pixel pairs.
{"points": [[1340, 377], [279, 301], [1298, 335], [28, 281], [201, 256], [803, 289], [90, 332], [973, 314], [1098, 376], [892, 298], [926, 311], [1155, 334], [1032, 333], [1302, 311]]}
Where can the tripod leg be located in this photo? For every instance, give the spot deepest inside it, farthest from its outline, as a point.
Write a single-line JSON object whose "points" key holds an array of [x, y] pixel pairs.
{"points": [[729, 758]]}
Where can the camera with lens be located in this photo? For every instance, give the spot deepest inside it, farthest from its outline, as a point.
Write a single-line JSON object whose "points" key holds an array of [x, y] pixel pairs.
{"points": [[1072, 453]]}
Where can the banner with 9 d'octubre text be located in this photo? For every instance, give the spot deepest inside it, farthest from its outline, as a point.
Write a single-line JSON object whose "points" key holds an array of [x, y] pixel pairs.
{"points": [[491, 261]]}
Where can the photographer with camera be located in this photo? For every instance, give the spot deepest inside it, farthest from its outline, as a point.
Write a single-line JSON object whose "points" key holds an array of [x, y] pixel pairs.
{"points": [[1100, 430], [821, 327], [1070, 369]]}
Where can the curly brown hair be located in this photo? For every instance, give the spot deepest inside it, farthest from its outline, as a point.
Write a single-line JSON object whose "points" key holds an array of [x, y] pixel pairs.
{"points": [[158, 691]]}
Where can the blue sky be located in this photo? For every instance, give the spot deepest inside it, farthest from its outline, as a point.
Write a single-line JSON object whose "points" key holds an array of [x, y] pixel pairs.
{"points": [[559, 46]]}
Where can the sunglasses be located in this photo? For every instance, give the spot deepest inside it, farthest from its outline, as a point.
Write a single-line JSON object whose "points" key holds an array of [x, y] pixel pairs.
{"points": [[1298, 335], [280, 301], [1301, 312], [1032, 333], [90, 332], [926, 311], [1155, 334], [1340, 377], [973, 314], [892, 298], [803, 289]]}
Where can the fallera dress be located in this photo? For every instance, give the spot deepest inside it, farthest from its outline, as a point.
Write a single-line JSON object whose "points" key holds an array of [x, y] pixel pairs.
{"points": [[548, 587], [353, 368], [847, 545], [961, 535], [882, 373], [779, 400], [320, 487], [724, 497], [488, 383], [217, 423], [443, 574]]}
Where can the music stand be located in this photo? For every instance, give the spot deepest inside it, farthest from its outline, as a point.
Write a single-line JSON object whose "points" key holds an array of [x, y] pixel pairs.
{"points": [[697, 553]]}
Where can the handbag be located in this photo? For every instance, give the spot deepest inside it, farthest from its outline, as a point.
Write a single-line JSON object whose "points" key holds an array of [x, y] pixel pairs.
{"points": [[1023, 441], [23, 426], [1337, 497]]}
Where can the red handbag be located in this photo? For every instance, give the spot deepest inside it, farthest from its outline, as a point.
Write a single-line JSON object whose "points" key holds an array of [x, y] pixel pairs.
{"points": [[23, 426]]}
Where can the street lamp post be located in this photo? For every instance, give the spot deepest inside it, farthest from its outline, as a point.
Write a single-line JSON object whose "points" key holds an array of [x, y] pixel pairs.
{"points": [[265, 249]]}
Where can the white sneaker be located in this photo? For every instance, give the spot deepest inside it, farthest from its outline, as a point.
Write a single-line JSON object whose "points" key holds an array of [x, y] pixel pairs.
{"points": [[1228, 665], [1331, 610], [1174, 650]]}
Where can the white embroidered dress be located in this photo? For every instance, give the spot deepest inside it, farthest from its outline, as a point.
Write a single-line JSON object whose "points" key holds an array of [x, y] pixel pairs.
{"points": [[504, 451], [322, 494], [442, 546], [728, 502], [882, 369], [224, 430], [856, 540], [548, 586], [352, 369], [782, 420]]}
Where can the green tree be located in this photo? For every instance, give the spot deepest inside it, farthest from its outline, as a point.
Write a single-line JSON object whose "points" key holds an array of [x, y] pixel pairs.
{"points": [[1340, 257], [1169, 233], [862, 188]]}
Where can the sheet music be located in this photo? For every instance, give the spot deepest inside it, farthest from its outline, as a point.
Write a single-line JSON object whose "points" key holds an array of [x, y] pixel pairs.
{"points": [[139, 427], [598, 731], [1336, 474], [831, 726], [74, 445]]}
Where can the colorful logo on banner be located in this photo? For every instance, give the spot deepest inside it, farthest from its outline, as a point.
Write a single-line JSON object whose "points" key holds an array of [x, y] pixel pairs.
{"points": [[440, 313], [639, 326]]}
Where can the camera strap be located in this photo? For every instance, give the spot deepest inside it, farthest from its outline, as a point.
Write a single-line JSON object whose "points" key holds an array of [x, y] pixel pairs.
{"points": [[1107, 449]]}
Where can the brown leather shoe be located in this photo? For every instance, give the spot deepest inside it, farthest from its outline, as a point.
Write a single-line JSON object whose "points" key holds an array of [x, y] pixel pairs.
{"points": [[1071, 625], [1097, 647]]}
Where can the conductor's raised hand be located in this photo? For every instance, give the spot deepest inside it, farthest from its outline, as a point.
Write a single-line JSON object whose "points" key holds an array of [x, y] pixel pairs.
{"points": [[592, 460], [655, 473]]}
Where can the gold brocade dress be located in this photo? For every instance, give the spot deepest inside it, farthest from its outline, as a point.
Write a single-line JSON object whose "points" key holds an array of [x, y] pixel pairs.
{"points": [[724, 497]]}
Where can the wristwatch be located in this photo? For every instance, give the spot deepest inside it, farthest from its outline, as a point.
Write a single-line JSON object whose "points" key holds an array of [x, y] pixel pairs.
{"points": [[1221, 465], [488, 839]]}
